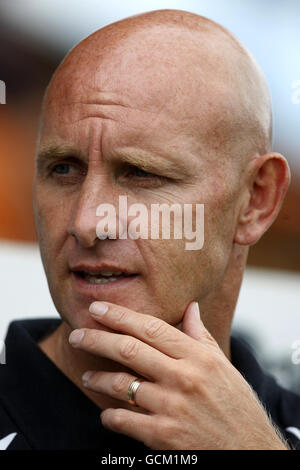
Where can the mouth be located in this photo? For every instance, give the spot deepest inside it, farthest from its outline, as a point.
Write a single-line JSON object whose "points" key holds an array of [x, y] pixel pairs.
{"points": [[101, 276], [91, 279]]}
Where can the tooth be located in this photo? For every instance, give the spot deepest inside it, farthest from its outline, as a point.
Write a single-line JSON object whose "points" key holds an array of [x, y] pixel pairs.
{"points": [[97, 280], [110, 273]]}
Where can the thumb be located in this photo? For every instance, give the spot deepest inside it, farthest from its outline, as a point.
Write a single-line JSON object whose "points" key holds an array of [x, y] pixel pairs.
{"points": [[191, 323], [193, 326]]}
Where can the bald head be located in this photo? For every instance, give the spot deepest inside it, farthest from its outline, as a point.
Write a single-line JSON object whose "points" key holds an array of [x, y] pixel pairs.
{"points": [[176, 62]]}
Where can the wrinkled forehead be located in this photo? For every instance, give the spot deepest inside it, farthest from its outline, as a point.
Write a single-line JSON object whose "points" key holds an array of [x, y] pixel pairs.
{"points": [[199, 80]]}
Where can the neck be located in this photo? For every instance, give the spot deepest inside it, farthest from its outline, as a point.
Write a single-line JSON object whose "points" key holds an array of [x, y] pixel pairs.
{"points": [[217, 308]]}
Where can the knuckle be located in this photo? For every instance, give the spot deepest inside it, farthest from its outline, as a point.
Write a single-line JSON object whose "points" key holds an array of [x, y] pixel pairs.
{"points": [[117, 419], [181, 406], [152, 439], [209, 339], [161, 437], [91, 338], [120, 316], [211, 362], [164, 433], [129, 348], [155, 328], [168, 405], [187, 381], [208, 362], [120, 383]]}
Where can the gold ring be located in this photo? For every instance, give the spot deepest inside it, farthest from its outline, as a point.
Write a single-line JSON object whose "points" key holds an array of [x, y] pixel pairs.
{"points": [[132, 389]]}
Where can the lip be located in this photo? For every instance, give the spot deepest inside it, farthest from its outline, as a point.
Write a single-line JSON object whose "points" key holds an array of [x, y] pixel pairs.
{"points": [[84, 288], [94, 269]]}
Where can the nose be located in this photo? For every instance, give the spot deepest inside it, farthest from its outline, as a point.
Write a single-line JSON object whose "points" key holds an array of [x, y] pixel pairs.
{"points": [[84, 219]]}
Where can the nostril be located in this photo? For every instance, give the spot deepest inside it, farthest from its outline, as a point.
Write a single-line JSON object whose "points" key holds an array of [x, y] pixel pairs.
{"points": [[85, 236]]}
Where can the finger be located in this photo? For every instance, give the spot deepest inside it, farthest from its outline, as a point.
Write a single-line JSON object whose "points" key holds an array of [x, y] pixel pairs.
{"points": [[191, 323], [126, 350], [193, 326], [148, 396], [151, 330], [135, 425]]}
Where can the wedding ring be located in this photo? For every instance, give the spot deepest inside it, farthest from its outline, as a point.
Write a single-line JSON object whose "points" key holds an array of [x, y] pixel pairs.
{"points": [[132, 389]]}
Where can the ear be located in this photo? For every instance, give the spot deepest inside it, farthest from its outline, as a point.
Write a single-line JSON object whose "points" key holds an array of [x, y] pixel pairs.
{"points": [[268, 182]]}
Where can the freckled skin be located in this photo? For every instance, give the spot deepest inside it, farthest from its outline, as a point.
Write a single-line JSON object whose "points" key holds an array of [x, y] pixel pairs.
{"points": [[184, 90], [171, 276]]}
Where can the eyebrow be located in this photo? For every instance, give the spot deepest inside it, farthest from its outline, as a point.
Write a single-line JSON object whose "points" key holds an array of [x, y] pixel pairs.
{"points": [[52, 152], [56, 152], [147, 161]]}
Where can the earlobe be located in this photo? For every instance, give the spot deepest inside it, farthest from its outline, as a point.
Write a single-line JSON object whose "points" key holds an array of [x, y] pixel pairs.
{"points": [[268, 182]]}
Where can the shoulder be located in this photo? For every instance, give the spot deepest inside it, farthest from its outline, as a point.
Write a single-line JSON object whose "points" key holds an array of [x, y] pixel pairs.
{"points": [[282, 405], [287, 409], [21, 360], [11, 436]]}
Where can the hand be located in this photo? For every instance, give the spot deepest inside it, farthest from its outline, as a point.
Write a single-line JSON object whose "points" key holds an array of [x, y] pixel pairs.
{"points": [[191, 397]]}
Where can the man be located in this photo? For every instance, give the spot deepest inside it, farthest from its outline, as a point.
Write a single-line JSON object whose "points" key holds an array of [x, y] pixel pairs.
{"points": [[165, 107]]}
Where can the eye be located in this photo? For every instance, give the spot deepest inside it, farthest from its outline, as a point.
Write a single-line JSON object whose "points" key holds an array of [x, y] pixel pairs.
{"points": [[136, 177], [62, 168], [66, 173], [139, 173]]}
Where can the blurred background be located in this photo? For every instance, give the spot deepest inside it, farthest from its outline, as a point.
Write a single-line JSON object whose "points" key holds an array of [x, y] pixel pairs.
{"points": [[34, 37]]}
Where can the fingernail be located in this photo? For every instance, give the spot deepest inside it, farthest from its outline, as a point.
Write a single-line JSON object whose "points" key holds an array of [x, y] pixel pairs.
{"points": [[86, 377], [98, 308], [196, 308], [75, 337]]}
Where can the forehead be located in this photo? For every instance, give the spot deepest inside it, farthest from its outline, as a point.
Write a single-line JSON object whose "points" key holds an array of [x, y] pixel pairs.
{"points": [[170, 69], [170, 89]]}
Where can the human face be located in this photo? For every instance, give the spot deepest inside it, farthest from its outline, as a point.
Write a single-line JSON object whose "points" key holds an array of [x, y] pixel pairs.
{"points": [[100, 129]]}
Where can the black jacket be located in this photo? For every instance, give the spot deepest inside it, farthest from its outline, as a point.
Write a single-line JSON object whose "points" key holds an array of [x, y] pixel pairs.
{"points": [[40, 408]]}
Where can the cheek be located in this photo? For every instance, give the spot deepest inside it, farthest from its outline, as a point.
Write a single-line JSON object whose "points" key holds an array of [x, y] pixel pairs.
{"points": [[170, 277], [51, 216], [176, 275], [219, 232], [52, 212]]}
